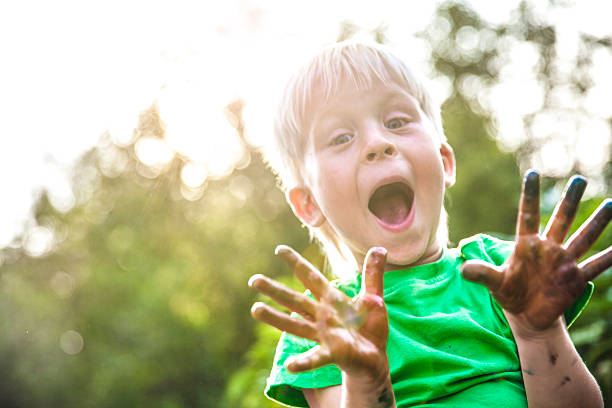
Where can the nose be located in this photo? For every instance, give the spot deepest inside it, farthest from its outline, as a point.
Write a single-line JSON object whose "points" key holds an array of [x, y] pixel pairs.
{"points": [[378, 147]]}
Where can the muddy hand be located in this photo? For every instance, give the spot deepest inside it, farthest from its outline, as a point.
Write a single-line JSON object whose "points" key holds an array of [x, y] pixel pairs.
{"points": [[542, 277], [352, 333]]}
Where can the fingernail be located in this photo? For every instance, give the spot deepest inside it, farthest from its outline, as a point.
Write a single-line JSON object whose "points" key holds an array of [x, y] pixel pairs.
{"points": [[280, 248], [257, 309], [578, 179], [532, 176], [253, 278], [606, 205], [576, 188], [379, 250]]}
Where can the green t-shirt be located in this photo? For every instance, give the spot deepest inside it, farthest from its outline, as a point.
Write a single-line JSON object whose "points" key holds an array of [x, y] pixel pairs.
{"points": [[449, 342]]}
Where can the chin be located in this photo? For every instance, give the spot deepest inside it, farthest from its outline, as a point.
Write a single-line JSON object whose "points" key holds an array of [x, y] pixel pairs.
{"points": [[403, 258], [415, 253]]}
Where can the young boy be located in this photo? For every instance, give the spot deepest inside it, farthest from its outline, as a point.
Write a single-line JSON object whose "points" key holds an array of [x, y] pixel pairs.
{"points": [[364, 163]]}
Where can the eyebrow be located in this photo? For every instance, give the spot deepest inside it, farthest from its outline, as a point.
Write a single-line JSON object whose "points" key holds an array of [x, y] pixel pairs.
{"points": [[403, 96], [387, 96], [328, 114]]}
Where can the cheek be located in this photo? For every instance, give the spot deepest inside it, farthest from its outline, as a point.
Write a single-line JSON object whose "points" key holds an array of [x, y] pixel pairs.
{"points": [[430, 163], [331, 176], [430, 176], [331, 191]]}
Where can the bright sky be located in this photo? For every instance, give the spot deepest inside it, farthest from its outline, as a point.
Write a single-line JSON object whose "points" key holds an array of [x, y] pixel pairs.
{"points": [[73, 69]]}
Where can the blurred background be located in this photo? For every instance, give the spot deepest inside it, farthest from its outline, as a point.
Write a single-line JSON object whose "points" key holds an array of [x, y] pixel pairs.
{"points": [[135, 205]]}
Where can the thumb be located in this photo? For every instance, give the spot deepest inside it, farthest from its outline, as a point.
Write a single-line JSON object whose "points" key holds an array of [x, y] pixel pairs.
{"points": [[373, 271], [483, 273], [314, 358]]}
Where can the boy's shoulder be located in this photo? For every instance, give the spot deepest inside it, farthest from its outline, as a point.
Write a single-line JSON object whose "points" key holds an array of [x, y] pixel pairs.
{"points": [[487, 248]]}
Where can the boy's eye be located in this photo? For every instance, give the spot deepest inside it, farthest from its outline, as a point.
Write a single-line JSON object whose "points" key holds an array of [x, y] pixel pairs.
{"points": [[396, 123], [341, 139]]}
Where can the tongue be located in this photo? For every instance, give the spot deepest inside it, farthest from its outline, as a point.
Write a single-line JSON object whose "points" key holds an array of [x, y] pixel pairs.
{"points": [[390, 208]]}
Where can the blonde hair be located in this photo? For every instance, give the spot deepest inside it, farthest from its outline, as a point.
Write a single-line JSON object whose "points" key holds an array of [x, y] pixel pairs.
{"points": [[358, 64]]}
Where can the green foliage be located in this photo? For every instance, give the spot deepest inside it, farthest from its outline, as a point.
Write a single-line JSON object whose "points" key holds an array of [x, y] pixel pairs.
{"points": [[245, 390], [488, 180], [154, 283]]}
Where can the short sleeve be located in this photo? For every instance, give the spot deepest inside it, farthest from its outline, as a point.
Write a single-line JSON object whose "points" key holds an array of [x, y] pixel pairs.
{"points": [[486, 248], [496, 251], [285, 387]]}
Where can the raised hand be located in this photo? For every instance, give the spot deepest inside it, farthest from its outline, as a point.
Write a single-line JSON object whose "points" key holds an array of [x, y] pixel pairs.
{"points": [[542, 277], [352, 333]]}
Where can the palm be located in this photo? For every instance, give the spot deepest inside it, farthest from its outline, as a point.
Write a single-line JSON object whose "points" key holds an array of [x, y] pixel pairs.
{"points": [[352, 333], [542, 277], [540, 281]]}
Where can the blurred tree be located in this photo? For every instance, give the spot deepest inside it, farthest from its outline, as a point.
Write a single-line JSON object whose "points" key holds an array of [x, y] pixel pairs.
{"points": [[142, 300], [141, 297]]}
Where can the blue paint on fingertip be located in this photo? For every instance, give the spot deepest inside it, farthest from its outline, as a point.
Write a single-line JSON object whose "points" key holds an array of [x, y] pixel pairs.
{"points": [[576, 188], [578, 180], [531, 184], [532, 175]]}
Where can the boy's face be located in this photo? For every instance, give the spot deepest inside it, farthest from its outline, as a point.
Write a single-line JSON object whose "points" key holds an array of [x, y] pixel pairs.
{"points": [[376, 173]]}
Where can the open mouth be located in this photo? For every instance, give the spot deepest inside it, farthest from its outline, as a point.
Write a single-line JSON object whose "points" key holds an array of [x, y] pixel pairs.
{"points": [[392, 203]]}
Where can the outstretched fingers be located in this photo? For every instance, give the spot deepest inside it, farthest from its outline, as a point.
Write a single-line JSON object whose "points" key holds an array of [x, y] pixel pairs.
{"points": [[587, 234], [529, 205], [281, 294], [312, 279], [565, 212], [596, 264], [481, 272], [282, 321], [314, 358]]}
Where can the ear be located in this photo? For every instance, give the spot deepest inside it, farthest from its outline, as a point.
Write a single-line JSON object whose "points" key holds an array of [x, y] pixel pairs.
{"points": [[448, 161], [305, 207]]}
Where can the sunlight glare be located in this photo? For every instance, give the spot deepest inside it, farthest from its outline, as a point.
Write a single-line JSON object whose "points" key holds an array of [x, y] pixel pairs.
{"points": [[59, 189], [121, 128], [62, 284], [153, 152], [553, 158], [38, 242], [197, 127], [593, 145], [194, 174], [598, 97], [71, 342], [241, 187]]}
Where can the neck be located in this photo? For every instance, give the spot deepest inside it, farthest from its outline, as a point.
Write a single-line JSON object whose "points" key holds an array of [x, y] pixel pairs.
{"points": [[426, 259]]}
